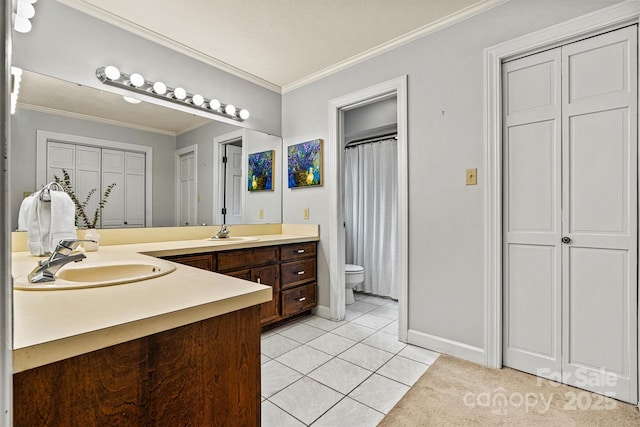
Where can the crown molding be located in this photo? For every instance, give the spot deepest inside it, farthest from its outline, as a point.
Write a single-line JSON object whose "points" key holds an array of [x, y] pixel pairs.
{"points": [[138, 30], [433, 27], [134, 28]]}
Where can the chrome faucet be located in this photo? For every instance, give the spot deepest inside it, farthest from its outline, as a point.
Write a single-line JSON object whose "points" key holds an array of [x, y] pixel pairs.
{"points": [[46, 269], [223, 233]]}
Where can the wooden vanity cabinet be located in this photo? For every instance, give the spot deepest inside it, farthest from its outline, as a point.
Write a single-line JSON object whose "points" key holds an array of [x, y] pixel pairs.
{"points": [[289, 269]]}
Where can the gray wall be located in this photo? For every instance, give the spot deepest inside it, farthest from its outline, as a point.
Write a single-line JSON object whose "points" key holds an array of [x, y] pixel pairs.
{"points": [[371, 120], [26, 123], [446, 241], [70, 45]]}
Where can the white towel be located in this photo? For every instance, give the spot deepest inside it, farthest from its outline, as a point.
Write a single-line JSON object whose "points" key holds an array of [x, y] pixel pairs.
{"points": [[62, 224], [25, 208], [49, 217]]}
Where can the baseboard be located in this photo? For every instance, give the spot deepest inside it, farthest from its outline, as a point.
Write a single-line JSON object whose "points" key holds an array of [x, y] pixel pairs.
{"points": [[322, 311], [443, 345]]}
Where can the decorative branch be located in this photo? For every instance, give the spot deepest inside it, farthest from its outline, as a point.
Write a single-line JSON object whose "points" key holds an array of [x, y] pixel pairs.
{"points": [[81, 214]]}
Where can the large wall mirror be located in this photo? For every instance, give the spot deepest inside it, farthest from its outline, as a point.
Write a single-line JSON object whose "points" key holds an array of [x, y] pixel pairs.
{"points": [[169, 165]]}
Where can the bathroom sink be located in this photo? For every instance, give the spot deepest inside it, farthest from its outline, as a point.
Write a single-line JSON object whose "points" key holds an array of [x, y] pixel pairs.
{"points": [[88, 275], [234, 239]]}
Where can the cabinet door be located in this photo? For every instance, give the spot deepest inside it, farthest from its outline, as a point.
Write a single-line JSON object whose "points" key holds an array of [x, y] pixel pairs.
{"points": [[269, 276], [204, 262]]}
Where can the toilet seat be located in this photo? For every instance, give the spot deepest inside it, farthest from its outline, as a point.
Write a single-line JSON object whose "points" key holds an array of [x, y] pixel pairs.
{"points": [[353, 274]]}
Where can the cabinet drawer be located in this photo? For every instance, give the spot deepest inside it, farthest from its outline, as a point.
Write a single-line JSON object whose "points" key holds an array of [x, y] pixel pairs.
{"points": [[297, 272], [298, 250], [298, 299], [247, 258]]}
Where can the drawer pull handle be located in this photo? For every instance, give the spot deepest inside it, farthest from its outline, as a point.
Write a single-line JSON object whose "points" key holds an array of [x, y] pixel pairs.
{"points": [[300, 251], [300, 273], [302, 299]]}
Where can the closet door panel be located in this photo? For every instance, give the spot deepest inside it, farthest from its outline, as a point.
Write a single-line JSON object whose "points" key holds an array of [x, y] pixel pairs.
{"points": [[531, 221], [600, 214]]}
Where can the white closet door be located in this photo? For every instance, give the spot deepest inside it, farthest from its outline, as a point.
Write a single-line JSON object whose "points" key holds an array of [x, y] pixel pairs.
{"points": [[532, 221], [88, 178], [234, 189], [600, 213], [113, 171], [60, 156], [570, 214], [135, 189]]}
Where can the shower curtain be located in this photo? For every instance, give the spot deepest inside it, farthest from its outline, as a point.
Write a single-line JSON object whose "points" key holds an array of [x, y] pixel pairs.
{"points": [[371, 193]]}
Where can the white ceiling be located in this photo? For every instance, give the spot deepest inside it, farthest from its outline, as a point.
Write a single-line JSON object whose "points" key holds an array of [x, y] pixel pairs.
{"points": [[281, 43]]}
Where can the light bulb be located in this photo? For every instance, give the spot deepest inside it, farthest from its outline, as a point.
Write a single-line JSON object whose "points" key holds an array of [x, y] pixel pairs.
{"points": [[159, 88], [230, 109], [136, 80], [25, 9], [111, 72], [244, 114], [214, 104], [21, 24], [179, 93], [131, 100], [197, 100]]}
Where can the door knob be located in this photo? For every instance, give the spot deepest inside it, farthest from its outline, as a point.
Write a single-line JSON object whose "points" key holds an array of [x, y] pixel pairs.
{"points": [[566, 239]]}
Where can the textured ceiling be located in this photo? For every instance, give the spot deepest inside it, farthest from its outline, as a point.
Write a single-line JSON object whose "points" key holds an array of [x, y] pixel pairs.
{"points": [[278, 41]]}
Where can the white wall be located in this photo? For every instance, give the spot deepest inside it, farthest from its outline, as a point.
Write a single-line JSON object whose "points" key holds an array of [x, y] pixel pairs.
{"points": [[445, 137], [371, 120]]}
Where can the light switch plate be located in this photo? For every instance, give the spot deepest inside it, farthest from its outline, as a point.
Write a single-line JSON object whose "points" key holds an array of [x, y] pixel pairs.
{"points": [[472, 176]]}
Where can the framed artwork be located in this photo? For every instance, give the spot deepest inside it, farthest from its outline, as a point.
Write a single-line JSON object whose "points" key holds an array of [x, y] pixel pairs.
{"points": [[305, 164], [260, 169]]}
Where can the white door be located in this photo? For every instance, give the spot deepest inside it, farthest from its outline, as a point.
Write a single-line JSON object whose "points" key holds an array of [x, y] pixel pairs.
{"points": [[187, 197], [234, 188], [570, 290]]}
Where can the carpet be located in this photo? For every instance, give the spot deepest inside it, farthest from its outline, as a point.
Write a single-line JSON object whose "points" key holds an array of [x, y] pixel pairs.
{"points": [[454, 392]]}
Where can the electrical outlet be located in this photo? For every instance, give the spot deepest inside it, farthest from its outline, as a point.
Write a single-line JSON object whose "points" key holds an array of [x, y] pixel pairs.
{"points": [[306, 213], [472, 176], [261, 214]]}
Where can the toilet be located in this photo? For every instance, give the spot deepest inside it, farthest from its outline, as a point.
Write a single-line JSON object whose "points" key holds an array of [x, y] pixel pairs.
{"points": [[353, 276]]}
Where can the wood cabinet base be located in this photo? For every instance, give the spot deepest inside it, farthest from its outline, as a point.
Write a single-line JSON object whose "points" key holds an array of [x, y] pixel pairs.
{"points": [[205, 373]]}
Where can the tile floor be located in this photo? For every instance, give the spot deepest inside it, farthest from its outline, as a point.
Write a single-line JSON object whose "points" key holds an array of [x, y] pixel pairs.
{"points": [[351, 373]]}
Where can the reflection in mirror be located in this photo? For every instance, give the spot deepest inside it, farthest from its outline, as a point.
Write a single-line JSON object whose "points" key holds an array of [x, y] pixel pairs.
{"points": [[166, 163]]}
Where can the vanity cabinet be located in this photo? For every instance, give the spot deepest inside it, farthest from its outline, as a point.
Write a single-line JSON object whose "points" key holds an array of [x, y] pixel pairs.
{"points": [[205, 373], [289, 269]]}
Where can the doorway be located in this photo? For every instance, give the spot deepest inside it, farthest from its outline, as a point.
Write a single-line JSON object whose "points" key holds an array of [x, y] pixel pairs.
{"points": [[187, 186], [335, 168], [228, 197]]}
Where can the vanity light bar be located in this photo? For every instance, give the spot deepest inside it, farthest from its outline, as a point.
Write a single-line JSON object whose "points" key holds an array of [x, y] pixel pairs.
{"points": [[110, 75]]}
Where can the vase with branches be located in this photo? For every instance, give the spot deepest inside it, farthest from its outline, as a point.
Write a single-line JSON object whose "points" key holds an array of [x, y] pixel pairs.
{"points": [[82, 218]]}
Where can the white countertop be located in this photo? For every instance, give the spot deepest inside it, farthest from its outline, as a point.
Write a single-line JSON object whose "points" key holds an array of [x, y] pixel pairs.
{"points": [[57, 324]]}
